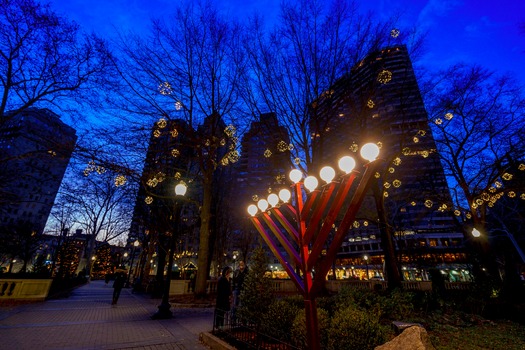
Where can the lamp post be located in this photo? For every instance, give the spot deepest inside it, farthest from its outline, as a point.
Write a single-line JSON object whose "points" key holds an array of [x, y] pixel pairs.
{"points": [[164, 311], [366, 262], [135, 245], [303, 228]]}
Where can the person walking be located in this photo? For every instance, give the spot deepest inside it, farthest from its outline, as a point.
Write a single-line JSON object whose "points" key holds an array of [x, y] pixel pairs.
{"points": [[238, 285], [120, 279], [224, 295]]}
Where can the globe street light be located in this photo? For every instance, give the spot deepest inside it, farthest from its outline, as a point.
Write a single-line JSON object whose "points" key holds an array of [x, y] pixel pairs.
{"points": [[164, 308]]}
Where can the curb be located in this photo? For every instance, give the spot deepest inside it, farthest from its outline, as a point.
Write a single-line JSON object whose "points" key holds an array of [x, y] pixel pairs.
{"points": [[214, 343]]}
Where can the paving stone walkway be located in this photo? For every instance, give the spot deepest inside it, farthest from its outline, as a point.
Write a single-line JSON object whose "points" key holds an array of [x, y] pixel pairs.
{"points": [[87, 320]]}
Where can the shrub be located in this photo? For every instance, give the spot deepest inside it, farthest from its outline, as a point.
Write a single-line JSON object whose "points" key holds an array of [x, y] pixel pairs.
{"points": [[279, 320], [299, 329], [352, 328]]}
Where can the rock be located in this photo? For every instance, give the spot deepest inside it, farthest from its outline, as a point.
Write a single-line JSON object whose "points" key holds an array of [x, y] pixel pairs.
{"points": [[412, 338]]}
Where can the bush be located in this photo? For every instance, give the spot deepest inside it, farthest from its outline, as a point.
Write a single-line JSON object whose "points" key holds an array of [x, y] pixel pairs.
{"points": [[279, 320], [352, 328], [299, 329]]}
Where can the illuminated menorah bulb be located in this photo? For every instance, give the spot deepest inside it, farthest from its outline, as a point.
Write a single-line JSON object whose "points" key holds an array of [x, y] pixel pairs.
{"points": [[347, 164], [475, 232], [311, 183], [327, 174], [370, 151], [295, 175], [285, 195], [252, 209], [180, 189], [262, 204], [273, 199]]}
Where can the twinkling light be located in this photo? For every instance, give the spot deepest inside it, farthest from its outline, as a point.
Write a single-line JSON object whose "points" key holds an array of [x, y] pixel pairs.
{"points": [[385, 194], [177, 175], [162, 123], [52, 153], [396, 183], [415, 139], [386, 184], [282, 146], [507, 177], [290, 147], [267, 153], [379, 144], [152, 182], [457, 212], [356, 224], [479, 201], [160, 176], [225, 161], [511, 194], [280, 178], [269, 190], [428, 203], [165, 88], [365, 223], [438, 121], [492, 189], [522, 196], [175, 153], [521, 167], [394, 33], [370, 104], [230, 130], [354, 147], [384, 76], [425, 154], [474, 205], [120, 180], [449, 116], [207, 143], [222, 142], [413, 203], [255, 198], [397, 161], [377, 175], [485, 196], [468, 215], [148, 200], [174, 133], [101, 170], [297, 160], [421, 132], [406, 151], [490, 204], [178, 105], [391, 170], [156, 133], [443, 207], [233, 156], [497, 184]]}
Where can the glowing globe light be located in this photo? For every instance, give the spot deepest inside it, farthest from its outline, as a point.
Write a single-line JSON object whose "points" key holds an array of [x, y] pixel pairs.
{"points": [[180, 189], [370, 151], [295, 175], [252, 209], [311, 183], [263, 204], [273, 199], [475, 232], [285, 195], [347, 164], [327, 174]]}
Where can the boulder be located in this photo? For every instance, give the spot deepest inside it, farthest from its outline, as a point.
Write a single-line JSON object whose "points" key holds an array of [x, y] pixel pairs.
{"points": [[412, 338]]}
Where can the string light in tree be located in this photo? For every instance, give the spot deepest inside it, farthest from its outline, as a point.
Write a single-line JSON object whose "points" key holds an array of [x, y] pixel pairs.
{"points": [[165, 88], [394, 33], [162, 123], [384, 76], [120, 180], [282, 146]]}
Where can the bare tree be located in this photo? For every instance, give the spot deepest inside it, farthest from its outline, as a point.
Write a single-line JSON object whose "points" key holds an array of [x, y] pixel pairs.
{"points": [[45, 60], [188, 69], [478, 121]]}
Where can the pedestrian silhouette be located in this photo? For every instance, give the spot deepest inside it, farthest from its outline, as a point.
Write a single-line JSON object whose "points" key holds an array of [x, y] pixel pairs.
{"points": [[120, 279]]}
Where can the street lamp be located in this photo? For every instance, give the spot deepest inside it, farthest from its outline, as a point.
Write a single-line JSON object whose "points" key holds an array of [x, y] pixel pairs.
{"points": [[302, 226], [366, 262], [135, 245], [164, 308]]}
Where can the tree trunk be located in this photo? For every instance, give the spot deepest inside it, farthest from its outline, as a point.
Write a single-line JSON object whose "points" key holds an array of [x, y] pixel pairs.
{"points": [[204, 239]]}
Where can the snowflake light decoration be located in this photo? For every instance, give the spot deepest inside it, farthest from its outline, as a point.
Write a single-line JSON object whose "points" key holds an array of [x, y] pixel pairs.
{"points": [[282, 146], [396, 183], [175, 153], [165, 88], [370, 104], [449, 116], [162, 123], [255, 198], [156, 133], [297, 160], [394, 33], [174, 133], [230, 130], [178, 105], [429, 203], [148, 200], [120, 180], [267, 153]]}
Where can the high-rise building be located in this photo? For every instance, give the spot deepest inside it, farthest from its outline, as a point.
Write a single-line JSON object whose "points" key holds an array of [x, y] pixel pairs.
{"points": [[379, 101], [35, 148]]}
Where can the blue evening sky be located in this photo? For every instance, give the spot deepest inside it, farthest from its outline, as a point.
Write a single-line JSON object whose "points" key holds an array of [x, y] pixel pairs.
{"points": [[474, 31]]}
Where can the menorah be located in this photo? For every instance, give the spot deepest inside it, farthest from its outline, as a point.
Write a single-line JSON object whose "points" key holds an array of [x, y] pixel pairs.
{"points": [[302, 228]]}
